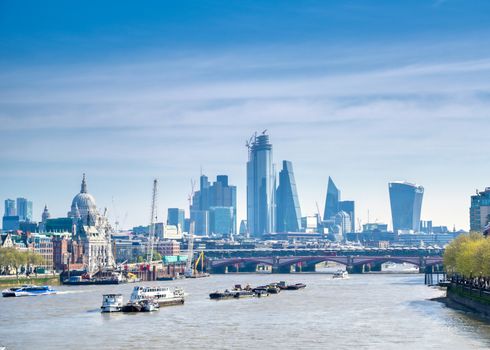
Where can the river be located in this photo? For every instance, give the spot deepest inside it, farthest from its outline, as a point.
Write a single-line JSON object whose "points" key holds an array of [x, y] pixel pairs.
{"points": [[364, 312]]}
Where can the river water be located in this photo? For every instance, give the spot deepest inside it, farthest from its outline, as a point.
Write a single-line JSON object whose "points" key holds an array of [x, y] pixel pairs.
{"points": [[364, 312]]}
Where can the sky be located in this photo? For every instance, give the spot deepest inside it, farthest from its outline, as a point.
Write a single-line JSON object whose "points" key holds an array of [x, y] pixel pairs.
{"points": [[366, 92]]}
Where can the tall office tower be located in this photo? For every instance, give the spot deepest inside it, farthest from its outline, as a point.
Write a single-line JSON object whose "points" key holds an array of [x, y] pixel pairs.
{"points": [[10, 208], [176, 216], [480, 210], [332, 206], [406, 205], [24, 209], [288, 212], [350, 208], [218, 195], [261, 186]]}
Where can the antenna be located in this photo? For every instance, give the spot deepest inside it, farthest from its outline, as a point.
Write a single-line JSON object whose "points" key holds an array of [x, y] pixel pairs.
{"points": [[153, 219]]}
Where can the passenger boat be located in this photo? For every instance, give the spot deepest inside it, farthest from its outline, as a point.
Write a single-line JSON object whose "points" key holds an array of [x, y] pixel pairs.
{"points": [[28, 290], [285, 286], [112, 303], [162, 295], [341, 274]]}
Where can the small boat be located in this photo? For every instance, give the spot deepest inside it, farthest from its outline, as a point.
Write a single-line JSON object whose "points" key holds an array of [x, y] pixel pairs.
{"points": [[112, 303], [260, 292], [271, 288], [132, 307], [236, 293], [28, 290], [341, 274], [149, 305], [284, 286]]}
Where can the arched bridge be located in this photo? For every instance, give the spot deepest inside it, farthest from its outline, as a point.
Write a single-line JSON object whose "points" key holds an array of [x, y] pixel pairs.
{"points": [[307, 263]]}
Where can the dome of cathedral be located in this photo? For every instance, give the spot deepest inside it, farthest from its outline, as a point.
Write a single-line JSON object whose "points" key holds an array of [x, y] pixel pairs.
{"points": [[84, 202]]}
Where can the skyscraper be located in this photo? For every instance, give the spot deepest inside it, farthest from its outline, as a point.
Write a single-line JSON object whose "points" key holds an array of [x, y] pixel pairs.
{"points": [[261, 186], [406, 205], [288, 212], [10, 208], [332, 206], [480, 210], [176, 216], [24, 209], [218, 195]]}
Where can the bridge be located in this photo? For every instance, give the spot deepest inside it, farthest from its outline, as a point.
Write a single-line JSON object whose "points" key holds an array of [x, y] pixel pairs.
{"points": [[307, 263]]}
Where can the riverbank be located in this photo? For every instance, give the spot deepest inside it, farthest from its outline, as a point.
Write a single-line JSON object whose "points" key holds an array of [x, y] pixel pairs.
{"points": [[467, 299], [8, 281]]}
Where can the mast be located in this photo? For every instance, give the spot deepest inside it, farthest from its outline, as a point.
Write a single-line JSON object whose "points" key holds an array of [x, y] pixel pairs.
{"points": [[151, 236]]}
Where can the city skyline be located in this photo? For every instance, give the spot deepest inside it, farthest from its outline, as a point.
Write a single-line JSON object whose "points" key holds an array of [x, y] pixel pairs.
{"points": [[341, 97]]}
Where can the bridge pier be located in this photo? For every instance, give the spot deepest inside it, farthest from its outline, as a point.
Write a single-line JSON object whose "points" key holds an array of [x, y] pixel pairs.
{"points": [[219, 270], [281, 269], [248, 267], [356, 269], [306, 268], [375, 267]]}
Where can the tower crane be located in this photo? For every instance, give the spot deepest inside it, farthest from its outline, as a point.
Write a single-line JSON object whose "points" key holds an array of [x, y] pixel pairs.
{"points": [[190, 243], [151, 236]]}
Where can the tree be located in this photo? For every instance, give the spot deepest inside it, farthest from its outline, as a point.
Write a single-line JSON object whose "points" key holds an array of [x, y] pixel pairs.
{"points": [[157, 256], [468, 255]]}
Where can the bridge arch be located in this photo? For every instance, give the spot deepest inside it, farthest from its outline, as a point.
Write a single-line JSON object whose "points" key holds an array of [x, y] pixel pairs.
{"points": [[234, 261], [310, 259], [356, 261]]}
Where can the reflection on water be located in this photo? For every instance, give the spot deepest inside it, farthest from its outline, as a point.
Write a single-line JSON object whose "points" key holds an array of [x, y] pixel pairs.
{"points": [[363, 312]]}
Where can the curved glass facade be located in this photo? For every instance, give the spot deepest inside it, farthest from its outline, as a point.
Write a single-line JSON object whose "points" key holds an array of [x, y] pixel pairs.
{"points": [[406, 206]]}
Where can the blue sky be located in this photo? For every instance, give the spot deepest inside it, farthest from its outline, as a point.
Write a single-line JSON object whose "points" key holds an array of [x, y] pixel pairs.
{"points": [[363, 91]]}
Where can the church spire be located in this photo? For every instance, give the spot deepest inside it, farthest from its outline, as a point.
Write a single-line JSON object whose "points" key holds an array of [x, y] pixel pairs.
{"points": [[84, 185]]}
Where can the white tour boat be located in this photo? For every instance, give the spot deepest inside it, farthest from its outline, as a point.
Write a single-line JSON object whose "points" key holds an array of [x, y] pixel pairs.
{"points": [[162, 295]]}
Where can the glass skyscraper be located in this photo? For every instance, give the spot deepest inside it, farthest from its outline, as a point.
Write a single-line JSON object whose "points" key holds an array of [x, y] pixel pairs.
{"points": [[332, 206], [288, 211], [10, 208], [261, 186], [406, 205], [176, 216], [24, 209], [349, 208], [218, 195]]}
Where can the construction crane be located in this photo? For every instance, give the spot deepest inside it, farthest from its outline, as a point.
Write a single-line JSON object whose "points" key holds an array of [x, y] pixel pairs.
{"points": [[153, 219], [190, 243]]}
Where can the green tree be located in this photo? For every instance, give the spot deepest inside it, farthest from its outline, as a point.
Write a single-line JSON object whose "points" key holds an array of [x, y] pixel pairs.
{"points": [[140, 259], [157, 256]]}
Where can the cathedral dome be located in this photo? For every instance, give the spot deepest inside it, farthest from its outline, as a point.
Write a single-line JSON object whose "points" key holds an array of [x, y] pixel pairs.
{"points": [[83, 202]]}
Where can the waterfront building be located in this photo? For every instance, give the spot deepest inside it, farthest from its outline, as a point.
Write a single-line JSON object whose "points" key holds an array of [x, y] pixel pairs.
{"points": [[10, 223], [261, 186], [43, 245], [406, 206], [167, 247], [480, 210], [27, 226], [332, 200], [24, 209], [92, 231], [61, 255], [6, 241], [10, 209], [176, 217], [350, 208], [288, 212]]}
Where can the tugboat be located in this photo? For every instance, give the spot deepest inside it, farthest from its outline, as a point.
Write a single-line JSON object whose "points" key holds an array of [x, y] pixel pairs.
{"points": [[236, 293], [132, 307], [112, 303], [28, 290], [342, 274], [260, 292], [221, 295], [271, 288]]}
